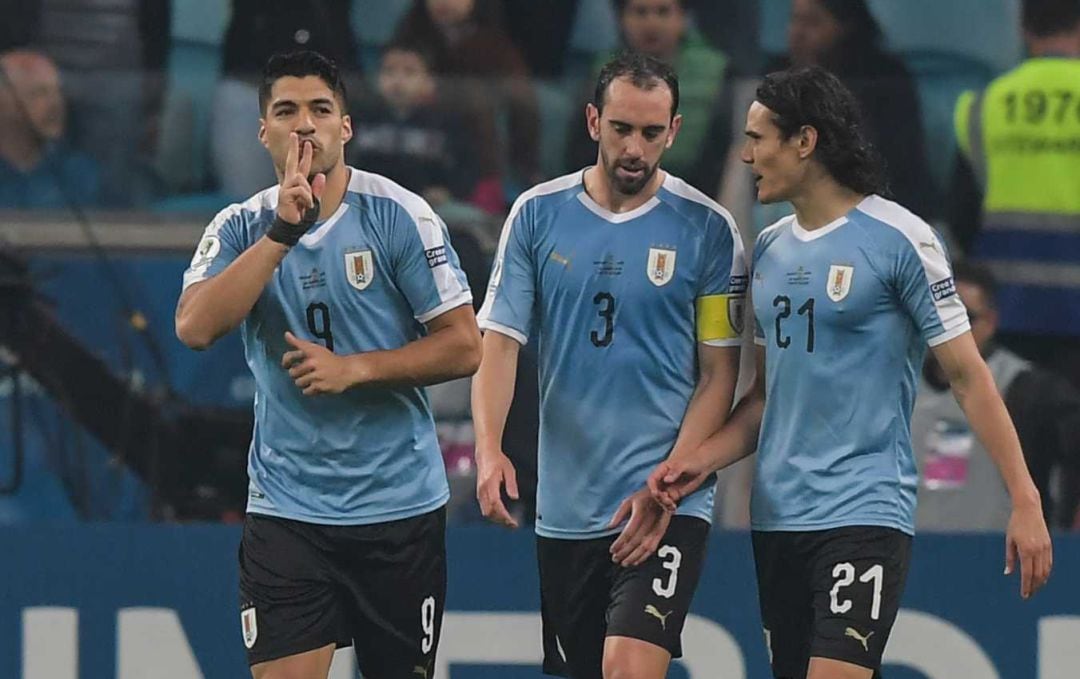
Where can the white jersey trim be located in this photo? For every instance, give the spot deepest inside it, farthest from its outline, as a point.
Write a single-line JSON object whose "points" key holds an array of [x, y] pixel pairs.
{"points": [[616, 217], [950, 334], [461, 300], [807, 235], [263, 200], [312, 238], [732, 342], [931, 252], [429, 226], [519, 337], [680, 188], [546, 188]]}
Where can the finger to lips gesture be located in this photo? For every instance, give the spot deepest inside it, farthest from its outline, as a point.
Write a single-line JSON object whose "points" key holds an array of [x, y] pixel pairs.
{"points": [[314, 368], [297, 194]]}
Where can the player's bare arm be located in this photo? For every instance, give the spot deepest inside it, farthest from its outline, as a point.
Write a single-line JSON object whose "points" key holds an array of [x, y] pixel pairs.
{"points": [[708, 409], [682, 473], [210, 309], [973, 386], [492, 392], [451, 349]]}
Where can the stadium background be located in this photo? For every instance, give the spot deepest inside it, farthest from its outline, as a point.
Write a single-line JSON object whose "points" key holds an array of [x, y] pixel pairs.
{"points": [[122, 453]]}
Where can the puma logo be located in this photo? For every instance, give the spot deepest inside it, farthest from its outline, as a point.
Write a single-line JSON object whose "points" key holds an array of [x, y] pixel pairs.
{"points": [[655, 612], [864, 640], [421, 670], [932, 245]]}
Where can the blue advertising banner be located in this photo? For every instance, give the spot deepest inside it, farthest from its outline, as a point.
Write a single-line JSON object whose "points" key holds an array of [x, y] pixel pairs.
{"points": [[105, 601]]}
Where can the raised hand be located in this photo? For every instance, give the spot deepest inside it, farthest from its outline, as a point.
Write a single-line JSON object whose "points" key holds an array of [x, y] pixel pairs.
{"points": [[297, 194], [298, 199]]}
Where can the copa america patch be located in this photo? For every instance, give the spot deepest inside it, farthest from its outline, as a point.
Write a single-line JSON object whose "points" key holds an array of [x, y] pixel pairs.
{"points": [[943, 289], [435, 256], [737, 284]]}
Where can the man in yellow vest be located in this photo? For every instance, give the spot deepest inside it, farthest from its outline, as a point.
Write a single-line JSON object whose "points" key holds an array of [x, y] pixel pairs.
{"points": [[1020, 137]]}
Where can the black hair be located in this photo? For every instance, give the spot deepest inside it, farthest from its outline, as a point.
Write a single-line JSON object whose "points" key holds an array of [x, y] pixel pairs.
{"points": [[300, 64], [1044, 18], [644, 71], [860, 26], [980, 276], [811, 96], [426, 54]]}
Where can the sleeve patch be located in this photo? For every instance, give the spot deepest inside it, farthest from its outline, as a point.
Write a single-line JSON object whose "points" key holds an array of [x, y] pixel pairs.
{"points": [[943, 289], [435, 256], [720, 317]]}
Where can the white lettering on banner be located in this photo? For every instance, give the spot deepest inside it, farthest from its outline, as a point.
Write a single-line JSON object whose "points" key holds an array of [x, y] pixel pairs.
{"points": [[50, 643], [151, 643], [936, 648], [1059, 654]]}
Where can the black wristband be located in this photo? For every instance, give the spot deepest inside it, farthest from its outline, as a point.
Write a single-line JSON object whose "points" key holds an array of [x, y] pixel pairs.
{"points": [[289, 234]]}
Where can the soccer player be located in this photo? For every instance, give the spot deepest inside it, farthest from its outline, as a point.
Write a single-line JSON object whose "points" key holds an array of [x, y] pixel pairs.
{"points": [[632, 284], [330, 275], [847, 293]]}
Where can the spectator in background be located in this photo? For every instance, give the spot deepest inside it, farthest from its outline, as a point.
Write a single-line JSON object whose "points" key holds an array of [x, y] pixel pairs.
{"points": [[1015, 204], [960, 489], [37, 169], [258, 29], [407, 133], [845, 38], [660, 29], [471, 47], [112, 54], [542, 32]]}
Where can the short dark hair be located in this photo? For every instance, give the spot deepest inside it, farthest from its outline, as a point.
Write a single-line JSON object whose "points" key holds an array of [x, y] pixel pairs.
{"points": [[856, 18], [426, 54], [979, 275], [301, 64], [644, 72], [1045, 18], [812, 96]]}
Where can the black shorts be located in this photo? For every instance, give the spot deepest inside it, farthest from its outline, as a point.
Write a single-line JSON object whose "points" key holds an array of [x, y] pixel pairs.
{"points": [[379, 587], [829, 594], [585, 597]]}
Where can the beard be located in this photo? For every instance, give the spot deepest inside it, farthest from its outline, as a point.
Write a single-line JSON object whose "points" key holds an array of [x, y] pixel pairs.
{"points": [[626, 185]]}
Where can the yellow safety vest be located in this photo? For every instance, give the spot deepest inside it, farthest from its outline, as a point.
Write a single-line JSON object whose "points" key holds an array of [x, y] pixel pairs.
{"points": [[1022, 138]]}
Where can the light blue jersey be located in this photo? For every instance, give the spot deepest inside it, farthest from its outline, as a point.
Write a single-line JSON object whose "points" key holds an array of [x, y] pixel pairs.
{"points": [[613, 300], [365, 279], [845, 313]]}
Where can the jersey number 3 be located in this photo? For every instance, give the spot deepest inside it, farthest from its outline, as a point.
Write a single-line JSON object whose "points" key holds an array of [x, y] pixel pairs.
{"points": [[606, 302]]}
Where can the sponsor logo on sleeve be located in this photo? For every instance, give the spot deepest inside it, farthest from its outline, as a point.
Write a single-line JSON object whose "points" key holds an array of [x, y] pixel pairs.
{"points": [[737, 284], [435, 256], [943, 289]]}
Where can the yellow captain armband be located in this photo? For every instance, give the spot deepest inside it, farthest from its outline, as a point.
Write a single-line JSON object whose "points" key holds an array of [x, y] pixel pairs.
{"points": [[720, 317]]}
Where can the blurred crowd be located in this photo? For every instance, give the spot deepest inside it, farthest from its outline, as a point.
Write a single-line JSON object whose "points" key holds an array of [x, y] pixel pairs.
{"points": [[152, 105]]}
